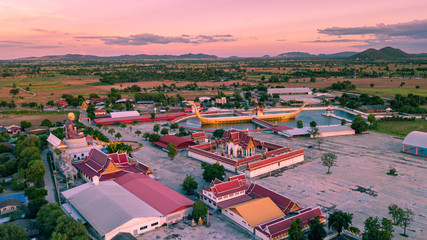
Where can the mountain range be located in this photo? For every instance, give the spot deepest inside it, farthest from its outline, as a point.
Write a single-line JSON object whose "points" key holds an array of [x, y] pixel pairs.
{"points": [[369, 54]]}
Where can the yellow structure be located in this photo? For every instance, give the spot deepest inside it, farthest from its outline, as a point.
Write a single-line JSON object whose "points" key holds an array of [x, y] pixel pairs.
{"points": [[84, 106], [238, 119], [257, 211]]}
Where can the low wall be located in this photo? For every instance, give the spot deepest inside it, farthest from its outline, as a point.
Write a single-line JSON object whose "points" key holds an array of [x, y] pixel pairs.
{"points": [[274, 166]]}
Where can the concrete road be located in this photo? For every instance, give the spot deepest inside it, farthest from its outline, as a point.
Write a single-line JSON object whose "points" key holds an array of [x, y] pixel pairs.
{"points": [[49, 185]]}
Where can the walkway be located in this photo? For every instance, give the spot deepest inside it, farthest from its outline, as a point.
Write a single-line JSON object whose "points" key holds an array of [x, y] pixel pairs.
{"points": [[49, 185]]}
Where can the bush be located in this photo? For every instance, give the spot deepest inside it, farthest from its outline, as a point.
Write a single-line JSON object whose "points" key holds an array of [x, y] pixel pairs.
{"points": [[33, 193], [154, 137], [18, 184]]}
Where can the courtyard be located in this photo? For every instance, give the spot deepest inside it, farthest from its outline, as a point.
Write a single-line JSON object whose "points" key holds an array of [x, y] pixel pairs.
{"points": [[358, 184]]}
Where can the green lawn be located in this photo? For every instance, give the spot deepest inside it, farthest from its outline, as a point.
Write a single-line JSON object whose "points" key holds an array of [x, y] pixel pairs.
{"points": [[390, 92], [401, 128]]}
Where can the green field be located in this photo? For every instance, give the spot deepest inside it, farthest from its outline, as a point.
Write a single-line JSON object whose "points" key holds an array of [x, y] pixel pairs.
{"points": [[401, 128], [390, 92]]}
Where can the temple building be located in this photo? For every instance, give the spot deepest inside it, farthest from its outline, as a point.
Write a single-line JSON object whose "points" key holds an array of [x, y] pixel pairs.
{"points": [[238, 143], [106, 166]]}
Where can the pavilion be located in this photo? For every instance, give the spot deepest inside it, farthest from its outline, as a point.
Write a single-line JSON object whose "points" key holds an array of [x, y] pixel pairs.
{"points": [[416, 143]]}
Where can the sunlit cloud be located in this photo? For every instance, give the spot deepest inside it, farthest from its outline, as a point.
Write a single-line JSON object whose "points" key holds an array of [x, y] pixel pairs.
{"points": [[148, 38]]}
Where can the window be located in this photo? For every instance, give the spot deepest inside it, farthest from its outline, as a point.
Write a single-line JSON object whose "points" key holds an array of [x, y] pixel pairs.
{"points": [[231, 214], [144, 227], [244, 222], [278, 164], [154, 224]]}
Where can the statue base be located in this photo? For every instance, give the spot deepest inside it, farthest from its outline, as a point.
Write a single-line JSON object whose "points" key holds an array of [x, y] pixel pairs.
{"points": [[75, 143]]}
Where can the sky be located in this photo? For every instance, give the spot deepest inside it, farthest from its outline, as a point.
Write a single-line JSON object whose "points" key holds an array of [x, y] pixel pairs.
{"points": [[245, 28]]}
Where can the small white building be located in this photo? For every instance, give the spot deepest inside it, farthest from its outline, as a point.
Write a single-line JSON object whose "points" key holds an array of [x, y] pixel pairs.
{"points": [[222, 192], [289, 91]]}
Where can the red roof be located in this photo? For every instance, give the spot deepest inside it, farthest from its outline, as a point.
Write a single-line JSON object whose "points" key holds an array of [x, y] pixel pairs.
{"points": [[281, 225], [97, 162], [98, 100], [157, 195], [241, 177], [179, 142], [61, 103], [227, 188]]}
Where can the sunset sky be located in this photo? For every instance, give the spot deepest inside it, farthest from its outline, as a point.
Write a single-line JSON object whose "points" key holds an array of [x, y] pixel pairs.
{"points": [[224, 28]]}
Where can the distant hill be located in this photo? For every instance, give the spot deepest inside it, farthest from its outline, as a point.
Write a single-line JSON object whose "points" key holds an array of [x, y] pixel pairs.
{"points": [[295, 55], [383, 53], [79, 57], [308, 55]]}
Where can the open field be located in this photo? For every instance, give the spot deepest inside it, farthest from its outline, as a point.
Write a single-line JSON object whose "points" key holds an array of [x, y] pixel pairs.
{"points": [[390, 92], [363, 161], [34, 119], [402, 128]]}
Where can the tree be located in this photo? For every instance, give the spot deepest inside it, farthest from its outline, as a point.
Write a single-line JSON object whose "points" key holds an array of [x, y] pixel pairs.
{"points": [[34, 206], [14, 91], [218, 133], [174, 126], [316, 229], [213, 171], [358, 124], [33, 193], [339, 220], [118, 135], [111, 131], [99, 125], [154, 137], [295, 230], [138, 132], [46, 122], [343, 122], [395, 212], [405, 219], [199, 210], [372, 85], [371, 118], [313, 79], [156, 127], [12, 232], [146, 135], [374, 230], [171, 151], [36, 171], [189, 185], [300, 124], [70, 228], [329, 160], [47, 217], [164, 131], [313, 124], [25, 124], [153, 115]]}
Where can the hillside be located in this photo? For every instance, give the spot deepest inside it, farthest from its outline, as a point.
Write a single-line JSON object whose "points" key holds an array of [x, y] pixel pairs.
{"points": [[383, 53]]}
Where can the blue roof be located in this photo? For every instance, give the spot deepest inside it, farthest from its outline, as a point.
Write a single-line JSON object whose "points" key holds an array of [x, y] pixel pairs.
{"points": [[21, 197]]}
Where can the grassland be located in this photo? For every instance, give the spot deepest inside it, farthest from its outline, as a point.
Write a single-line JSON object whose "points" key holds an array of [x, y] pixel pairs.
{"points": [[390, 92], [401, 128]]}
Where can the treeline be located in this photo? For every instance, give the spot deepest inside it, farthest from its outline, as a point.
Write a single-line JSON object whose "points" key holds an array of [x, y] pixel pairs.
{"points": [[409, 104], [209, 74]]}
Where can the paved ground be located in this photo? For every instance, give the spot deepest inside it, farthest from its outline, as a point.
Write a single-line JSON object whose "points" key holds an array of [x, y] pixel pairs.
{"points": [[358, 184], [49, 185]]}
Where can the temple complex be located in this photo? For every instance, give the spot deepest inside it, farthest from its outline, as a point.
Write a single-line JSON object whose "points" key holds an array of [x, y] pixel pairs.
{"points": [[239, 152]]}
